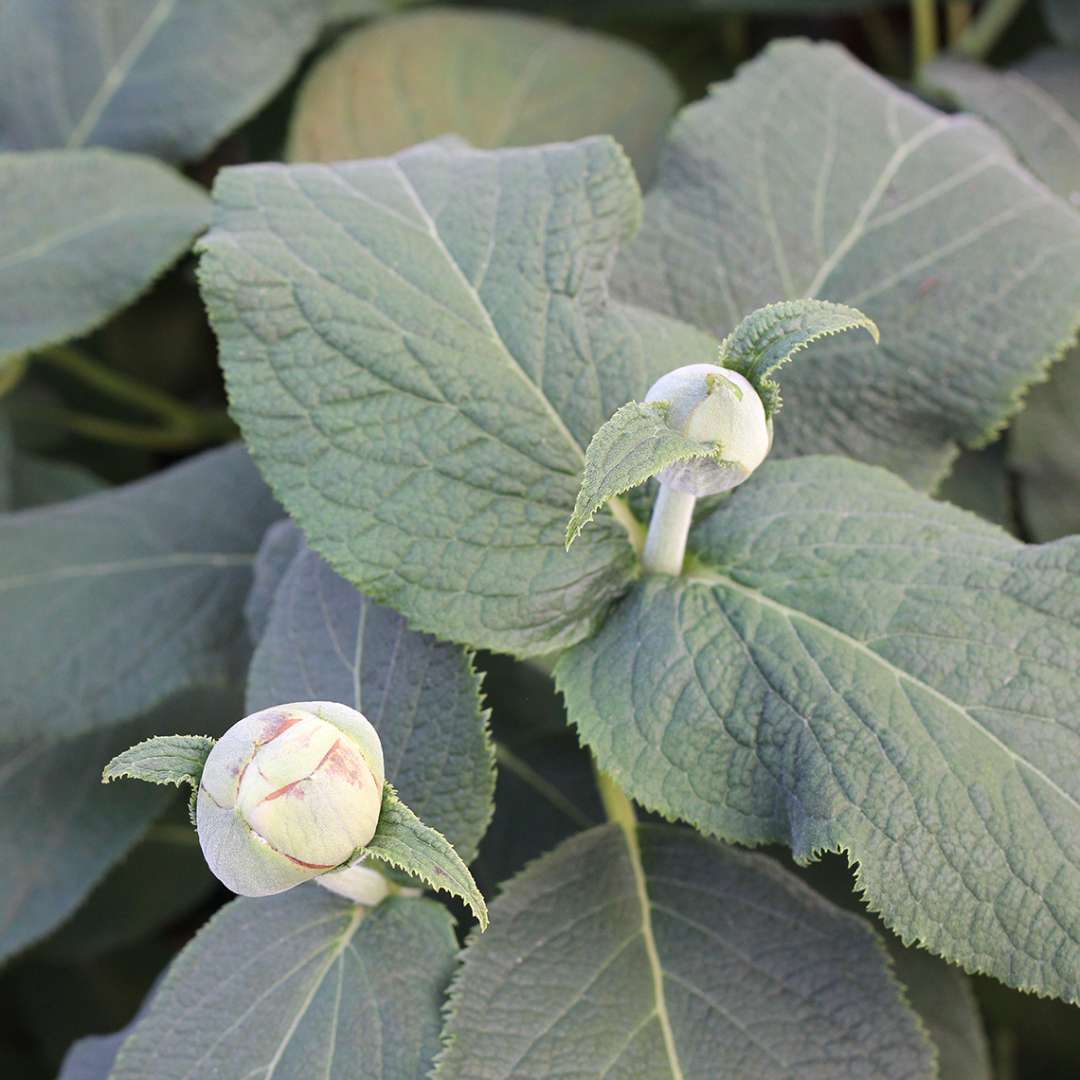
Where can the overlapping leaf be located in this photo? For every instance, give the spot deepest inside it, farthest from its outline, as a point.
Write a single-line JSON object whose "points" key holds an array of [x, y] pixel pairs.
{"points": [[82, 234], [494, 78], [298, 985], [674, 958], [123, 597], [418, 349], [807, 175], [851, 666], [324, 641], [165, 77]]}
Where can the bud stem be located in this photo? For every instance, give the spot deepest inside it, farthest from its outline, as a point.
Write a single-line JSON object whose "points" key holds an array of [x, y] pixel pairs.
{"points": [[665, 544]]}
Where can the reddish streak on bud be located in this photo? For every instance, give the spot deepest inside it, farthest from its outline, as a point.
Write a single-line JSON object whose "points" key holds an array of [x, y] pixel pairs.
{"points": [[309, 865], [279, 727]]}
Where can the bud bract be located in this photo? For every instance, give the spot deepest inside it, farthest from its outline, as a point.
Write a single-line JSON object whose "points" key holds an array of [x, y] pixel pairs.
{"points": [[289, 793], [711, 404]]}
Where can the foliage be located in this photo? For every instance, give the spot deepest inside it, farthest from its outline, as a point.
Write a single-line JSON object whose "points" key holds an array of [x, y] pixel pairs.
{"points": [[432, 262]]}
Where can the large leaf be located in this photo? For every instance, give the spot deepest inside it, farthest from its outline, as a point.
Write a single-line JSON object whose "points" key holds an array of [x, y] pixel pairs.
{"points": [[82, 234], [807, 175], [494, 78], [299, 985], [122, 598], [324, 641], [851, 666], [61, 830], [166, 77], [418, 349], [673, 957], [1035, 105]]}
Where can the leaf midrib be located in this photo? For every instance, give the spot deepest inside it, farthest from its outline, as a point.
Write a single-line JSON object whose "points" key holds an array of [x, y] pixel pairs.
{"points": [[712, 578]]}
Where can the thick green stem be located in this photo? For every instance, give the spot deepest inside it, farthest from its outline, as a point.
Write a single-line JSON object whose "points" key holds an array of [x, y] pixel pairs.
{"points": [[957, 17], [984, 30], [665, 544], [924, 29], [180, 426]]}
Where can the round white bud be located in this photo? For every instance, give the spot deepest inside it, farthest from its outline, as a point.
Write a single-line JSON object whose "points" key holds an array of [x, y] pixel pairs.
{"points": [[288, 794], [711, 404]]}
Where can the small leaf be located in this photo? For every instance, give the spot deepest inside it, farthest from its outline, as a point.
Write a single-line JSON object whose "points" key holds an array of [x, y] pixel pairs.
{"points": [[496, 78], [769, 337], [162, 759], [405, 842], [83, 234], [671, 957], [633, 445]]}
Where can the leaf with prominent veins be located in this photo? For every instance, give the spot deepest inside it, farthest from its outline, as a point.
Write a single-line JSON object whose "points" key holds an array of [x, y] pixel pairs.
{"points": [[660, 955], [418, 349], [807, 175], [851, 666], [125, 597], [299, 985]]}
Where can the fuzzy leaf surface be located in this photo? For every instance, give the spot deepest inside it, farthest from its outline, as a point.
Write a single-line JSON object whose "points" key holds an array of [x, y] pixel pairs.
{"points": [[807, 175], [124, 597], [662, 960], [83, 234], [851, 666], [418, 349], [494, 78], [633, 445], [768, 338], [324, 641], [162, 759], [298, 985], [406, 843], [164, 77]]}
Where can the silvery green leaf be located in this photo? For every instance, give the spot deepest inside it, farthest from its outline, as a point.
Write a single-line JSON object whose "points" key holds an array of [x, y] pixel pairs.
{"points": [[404, 842], [162, 759], [124, 597], [633, 445], [807, 175], [164, 77], [418, 349], [83, 233], [851, 666], [767, 339], [298, 985], [1035, 104], [61, 830], [674, 959], [494, 78], [324, 641]]}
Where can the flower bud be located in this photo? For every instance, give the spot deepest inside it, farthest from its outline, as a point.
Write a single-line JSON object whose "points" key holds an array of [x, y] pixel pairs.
{"points": [[288, 794], [711, 404]]}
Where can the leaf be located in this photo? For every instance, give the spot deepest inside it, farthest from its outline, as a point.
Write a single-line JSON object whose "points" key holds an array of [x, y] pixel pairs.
{"points": [[633, 445], [406, 843], [494, 78], [299, 985], [979, 481], [851, 666], [162, 759], [92, 1057], [40, 481], [665, 958], [164, 77], [1063, 18], [769, 337], [124, 597], [465, 327], [1044, 452], [324, 641], [1035, 105], [943, 998], [83, 234], [276, 553], [809, 176], [60, 830]]}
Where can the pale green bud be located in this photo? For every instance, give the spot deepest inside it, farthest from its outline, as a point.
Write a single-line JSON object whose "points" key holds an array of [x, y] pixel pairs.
{"points": [[711, 404], [288, 794]]}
